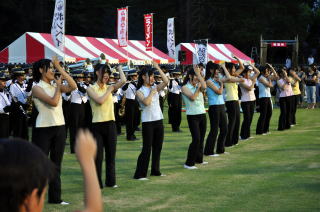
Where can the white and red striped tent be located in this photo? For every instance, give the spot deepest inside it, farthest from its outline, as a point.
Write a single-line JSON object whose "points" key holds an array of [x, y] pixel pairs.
{"points": [[31, 47], [216, 53]]}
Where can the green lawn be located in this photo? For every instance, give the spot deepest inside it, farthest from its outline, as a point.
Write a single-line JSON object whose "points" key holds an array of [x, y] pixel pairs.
{"points": [[277, 172]]}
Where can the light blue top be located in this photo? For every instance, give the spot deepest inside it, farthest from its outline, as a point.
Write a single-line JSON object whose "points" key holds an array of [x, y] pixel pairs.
{"points": [[195, 107], [153, 111], [213, 97], [264, 91]]}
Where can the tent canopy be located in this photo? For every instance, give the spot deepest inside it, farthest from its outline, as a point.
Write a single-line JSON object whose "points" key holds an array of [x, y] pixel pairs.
{"points": [[31, 47], [216, 53]]}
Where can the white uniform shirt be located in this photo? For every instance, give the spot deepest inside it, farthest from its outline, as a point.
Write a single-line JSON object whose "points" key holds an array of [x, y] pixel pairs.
{"points": [[4, 102], [19, 92], [131, 91], [79, 97], [176, 88]]}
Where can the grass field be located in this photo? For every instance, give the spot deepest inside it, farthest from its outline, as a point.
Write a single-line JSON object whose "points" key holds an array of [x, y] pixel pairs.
{"points": [[277, 172]]}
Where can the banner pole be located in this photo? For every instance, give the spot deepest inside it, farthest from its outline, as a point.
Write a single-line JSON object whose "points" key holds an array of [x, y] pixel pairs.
{"points": [[64, 31], [128, 61]]}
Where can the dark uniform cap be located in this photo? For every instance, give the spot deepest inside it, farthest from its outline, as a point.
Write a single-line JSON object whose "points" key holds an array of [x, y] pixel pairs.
{"points": [[157, 74], [175, 71], [116, 75], [78, 73], [132, 72], [18, 71], [3, 68], [3, 76]]}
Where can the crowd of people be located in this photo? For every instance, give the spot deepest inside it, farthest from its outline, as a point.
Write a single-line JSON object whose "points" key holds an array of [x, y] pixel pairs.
{"points": [[55, 101]]}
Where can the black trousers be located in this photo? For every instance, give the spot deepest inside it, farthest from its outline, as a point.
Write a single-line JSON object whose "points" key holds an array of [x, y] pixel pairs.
{"points": [[152, 133], [218, 120], [233, 111], [284, 118], [161, 101], [19, 123], [51, 140], [248, 111], [106, 136], [295, 101], [198, 126], [174, 110], [4, 126], [132, 116], [77, 121], [66, 114], [88, 115], [265, 115], [117, 107]]}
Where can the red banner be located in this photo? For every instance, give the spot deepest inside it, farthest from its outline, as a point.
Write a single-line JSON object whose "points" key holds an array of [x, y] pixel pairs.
{"points": [[280, 44], [122, 27], [148, 31]]}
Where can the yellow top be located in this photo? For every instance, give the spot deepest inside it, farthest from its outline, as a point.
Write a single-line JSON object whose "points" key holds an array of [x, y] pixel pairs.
{"points": [[295, 87], [231, 91], [48, 116], [104, 112]]}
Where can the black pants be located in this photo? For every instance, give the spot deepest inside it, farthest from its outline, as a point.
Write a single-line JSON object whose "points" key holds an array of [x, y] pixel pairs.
{"points": [[132, 117], [106, 136], [233, 112], [198, 126], [52, 142], [248, 111], [77, 121], [218, 120], [265, 115], [117, 107], [88, 116], [19, 123], [174, 110], [4, 126], [153, 133], [161, 101], [66, 114], [295, 101], [284, 118]]}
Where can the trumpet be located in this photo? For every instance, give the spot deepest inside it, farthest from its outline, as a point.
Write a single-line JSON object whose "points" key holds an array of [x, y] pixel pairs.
{"points": [[122, 109]]}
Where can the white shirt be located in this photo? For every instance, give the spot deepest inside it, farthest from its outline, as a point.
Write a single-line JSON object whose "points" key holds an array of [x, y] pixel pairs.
{"points": [[288, 63], [131, 91], [79, 97], [310, 60], [19, 92], [176, 88], [4, 102], [153, 111]]}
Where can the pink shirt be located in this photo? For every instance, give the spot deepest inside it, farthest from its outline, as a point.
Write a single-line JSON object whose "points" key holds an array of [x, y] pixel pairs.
{"points": [[247, 96], [287, 89]]}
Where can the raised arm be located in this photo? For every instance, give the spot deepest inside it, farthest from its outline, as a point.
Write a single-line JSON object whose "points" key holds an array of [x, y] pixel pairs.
{"points": [[39, 93], [200, 78], [122, 80], [189, 94], [217, 90], [274, 75], [248, 88], [165, 79], [99, 99], [86, 149], [256, 72], [71, 84], [146, 100], [241, 66]]}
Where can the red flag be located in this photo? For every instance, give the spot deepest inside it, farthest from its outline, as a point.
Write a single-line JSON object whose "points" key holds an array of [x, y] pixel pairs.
{"points": [[148, 31], [122, 27]]}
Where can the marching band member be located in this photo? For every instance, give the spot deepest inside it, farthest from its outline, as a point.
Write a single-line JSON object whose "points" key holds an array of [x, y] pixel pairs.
{"points": [[19, 114], [192, 89], [49, 132], [78, 100], [117, 96], [88, 80], [5, 107], [162, 93], [132, 112], [103, 121], [152, 122], [175, 101]]}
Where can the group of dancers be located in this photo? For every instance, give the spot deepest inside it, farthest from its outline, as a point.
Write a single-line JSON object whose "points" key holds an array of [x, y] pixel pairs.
{"points": [[97, 100]]}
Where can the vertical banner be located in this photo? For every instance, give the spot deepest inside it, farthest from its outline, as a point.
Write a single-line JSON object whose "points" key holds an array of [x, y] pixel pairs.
{"points": [[148, 31], [201, 51], [57, 29], [171, 38], [122, 27]]}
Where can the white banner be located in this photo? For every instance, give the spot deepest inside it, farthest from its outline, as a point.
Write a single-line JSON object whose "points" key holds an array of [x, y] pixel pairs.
{"points": [[122, 27], [57, 29], [201, 51], [171, 38]]}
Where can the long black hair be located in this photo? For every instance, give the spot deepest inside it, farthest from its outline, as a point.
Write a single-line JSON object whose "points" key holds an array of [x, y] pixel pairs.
{"points": [[144, 71], [187, 78], [44, 64], [211, 66], [102, 68]]}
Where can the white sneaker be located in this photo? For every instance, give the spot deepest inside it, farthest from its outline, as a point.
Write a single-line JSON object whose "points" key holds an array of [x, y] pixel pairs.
{"points": [[227, 153], [189, 167], [143, 178], [250, 137], [163, 175], [264, 133], [115, 186], [215, 155], [64, 203], [204, 163]]}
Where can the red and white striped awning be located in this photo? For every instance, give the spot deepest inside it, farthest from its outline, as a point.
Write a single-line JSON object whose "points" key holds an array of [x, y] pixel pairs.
{"points": [[31, 47], [216, 53]]}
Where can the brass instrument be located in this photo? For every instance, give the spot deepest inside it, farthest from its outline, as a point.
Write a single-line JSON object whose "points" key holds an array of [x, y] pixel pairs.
{"points": [[122, 109], [16, 101]]}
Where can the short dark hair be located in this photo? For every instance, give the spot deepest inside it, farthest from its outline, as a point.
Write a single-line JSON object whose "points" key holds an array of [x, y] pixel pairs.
{"points": [[44, 64], [102, 68], [24, 167], [211, 66]]}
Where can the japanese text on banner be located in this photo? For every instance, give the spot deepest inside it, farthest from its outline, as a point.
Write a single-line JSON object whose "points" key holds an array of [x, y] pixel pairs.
{"points": [[57, 29], [148, 22], [171, 38], [122, 27]]}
